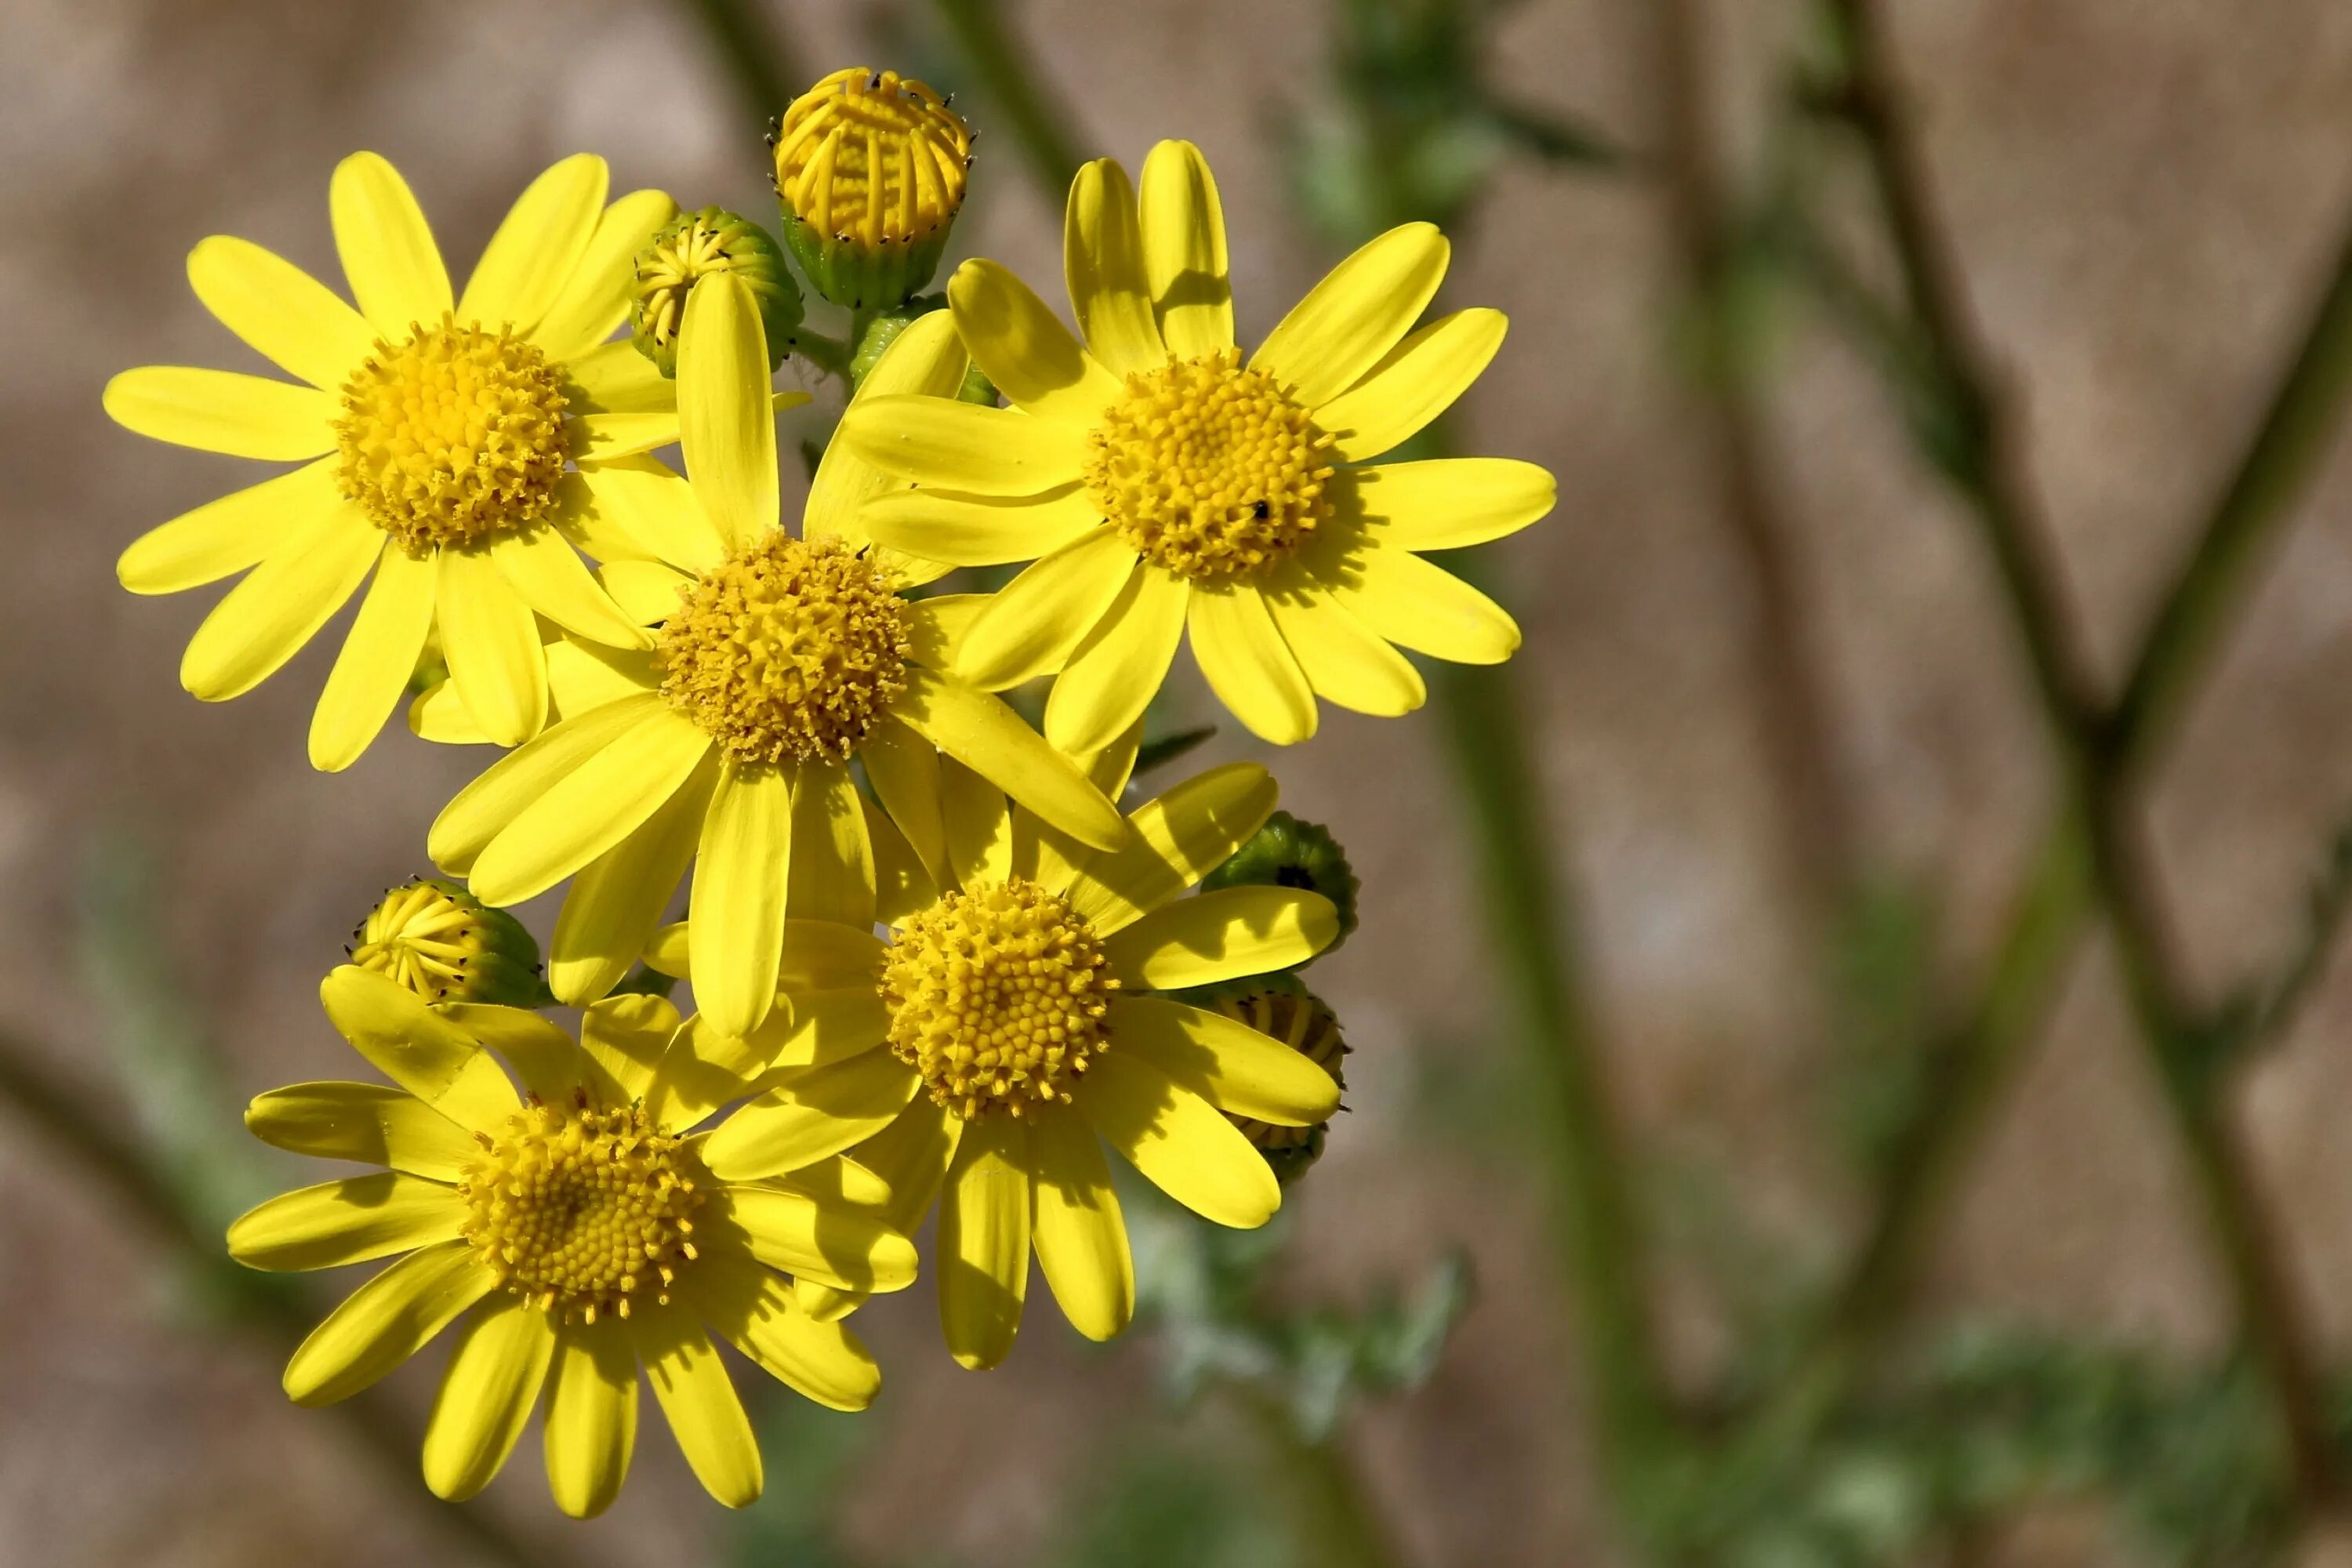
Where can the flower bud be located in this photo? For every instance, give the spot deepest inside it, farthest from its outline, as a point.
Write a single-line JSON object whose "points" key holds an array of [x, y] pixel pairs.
{"points": [[870, 168], [1279, 1006], [1289, 853], [695, 246], [440, 942]]}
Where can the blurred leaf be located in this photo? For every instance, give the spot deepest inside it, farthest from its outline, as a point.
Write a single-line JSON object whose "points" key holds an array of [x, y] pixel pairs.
{"points": [[1158, 750]]}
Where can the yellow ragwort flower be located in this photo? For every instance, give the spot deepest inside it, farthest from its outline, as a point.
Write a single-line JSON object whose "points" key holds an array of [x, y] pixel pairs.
{"points": [[566, 1213], [1163, 482], [451, 444], [727, 745], [1007, 1029]]}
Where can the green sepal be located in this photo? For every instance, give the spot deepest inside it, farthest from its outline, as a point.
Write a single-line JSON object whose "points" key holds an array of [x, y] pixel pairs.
{"points": [[857, 277], [753, 255], [1291, 853]]}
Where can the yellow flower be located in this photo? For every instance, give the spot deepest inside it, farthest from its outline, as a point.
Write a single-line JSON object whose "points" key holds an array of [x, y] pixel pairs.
{"points": [[573, 1223], [1162, 483], [452, 443], [1009, 1028], [728, 744]]}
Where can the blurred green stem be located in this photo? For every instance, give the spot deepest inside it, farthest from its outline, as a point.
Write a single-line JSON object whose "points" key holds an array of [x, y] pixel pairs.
{"points": [[2099, 764], [766, 74], [111, 1161], [1039, 123], [1333, 1520]]}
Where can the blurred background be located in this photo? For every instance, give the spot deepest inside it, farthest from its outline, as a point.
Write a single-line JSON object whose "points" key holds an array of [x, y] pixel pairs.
{"points": [[1760, 1151]]}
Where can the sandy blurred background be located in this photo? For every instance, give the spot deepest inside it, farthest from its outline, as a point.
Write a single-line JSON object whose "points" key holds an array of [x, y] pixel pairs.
{"points": [[2145, 196]]}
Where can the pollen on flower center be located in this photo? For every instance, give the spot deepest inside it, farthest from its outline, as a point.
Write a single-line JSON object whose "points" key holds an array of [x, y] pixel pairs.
{"points": [[453, 435], [581, 1210], [787, 651], [1209, 468], [996, 996]]}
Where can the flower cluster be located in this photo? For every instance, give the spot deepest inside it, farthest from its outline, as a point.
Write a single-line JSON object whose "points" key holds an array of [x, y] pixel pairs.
{"points": [[939, 959]]}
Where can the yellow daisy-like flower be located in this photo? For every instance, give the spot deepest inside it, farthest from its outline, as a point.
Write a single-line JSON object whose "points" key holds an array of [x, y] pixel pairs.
{"points": [[728, 744], [452, 442], [1163, 483], [575, 1226], [1008, 1029]]}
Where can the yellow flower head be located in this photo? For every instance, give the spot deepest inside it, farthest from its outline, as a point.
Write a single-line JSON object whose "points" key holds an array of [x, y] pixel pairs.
{"points": [[443, 944], [452, 444], [566, 1215], [870, 168], [1169, 486], [1008, 1028], [777, 660]]}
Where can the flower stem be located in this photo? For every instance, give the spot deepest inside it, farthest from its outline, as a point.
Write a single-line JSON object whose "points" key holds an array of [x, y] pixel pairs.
{"points": [[1040, 124], [1333, 1520]]}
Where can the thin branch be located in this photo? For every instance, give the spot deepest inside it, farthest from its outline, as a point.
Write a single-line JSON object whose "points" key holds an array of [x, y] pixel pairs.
{"points": [[56, 1112], [1038, 121]]}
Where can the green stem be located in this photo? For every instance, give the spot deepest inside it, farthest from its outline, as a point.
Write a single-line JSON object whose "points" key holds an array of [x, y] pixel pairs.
{"points": [[116, 1164], [1039, 123], [1981, 463], [766, 75], [1334, 1520], [829, 355]]}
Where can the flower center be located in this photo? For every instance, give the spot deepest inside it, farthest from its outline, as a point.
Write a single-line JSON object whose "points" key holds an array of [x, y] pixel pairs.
{"points": [[787, 651], [581, 1210], [996, 996], [1208, 468], [421, 936], [452, 436], [872, 156]]}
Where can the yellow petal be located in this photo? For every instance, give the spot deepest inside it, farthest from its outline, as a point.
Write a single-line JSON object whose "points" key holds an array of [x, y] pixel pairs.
{"points": [[1184, 251], [348, 1221], [549, 577], [911, 1157], [904, 770], [619, 898], [725, 422], [841, 1246], [596, 296], [542, 1054], [482, 810], [815, 1115], [591, 1416], [1343, 659], [832, 858], [616, 379], [1248, 665], [1450, 502], [985, 735], [1113, 673], [1223, 935], [927, 359], [962, 446], [701, 1070], [741, 873], [979, 825], [902, 883], [965, 530], [699, 1400], [1418, 381], [753, 1307], [1349, 322], [536, 246], [387, 250], [584, 675], [983, 1257], [1018, 344], [1224, 1061], [1102, 260], [1081, 1237], [937, 624], [591, 809], [812, 1028], [627, 1038], [417, 1048], [223, 411], [1032, 626], [289, 317], [494, 1378], [224, 537], [279, 607], [492, 644], [609, 437], [1405, 599], [647, 591], [437, 716], [656, 509], [368, 1124], [1179, 837], [386, 1321], [1181, 1144], [372, 673], [1050, 857]]}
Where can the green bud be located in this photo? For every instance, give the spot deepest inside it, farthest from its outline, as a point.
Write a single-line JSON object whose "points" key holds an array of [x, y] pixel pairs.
{"points": [[1289, 853], [440, 942], [871, 171], [695, 246]]}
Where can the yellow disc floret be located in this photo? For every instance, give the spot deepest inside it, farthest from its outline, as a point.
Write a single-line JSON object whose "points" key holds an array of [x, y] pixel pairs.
{"points": [[452, 436], [872, 156], [1208, 468], [787, 651], [996, 996], [583, 1210], [423, 935]]}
